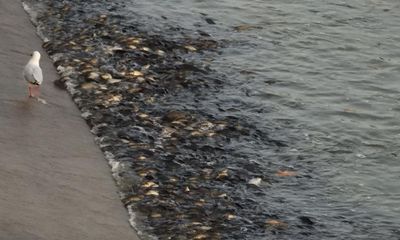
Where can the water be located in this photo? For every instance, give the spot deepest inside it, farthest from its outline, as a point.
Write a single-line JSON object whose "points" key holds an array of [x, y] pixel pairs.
{"points": [[315, 86]]}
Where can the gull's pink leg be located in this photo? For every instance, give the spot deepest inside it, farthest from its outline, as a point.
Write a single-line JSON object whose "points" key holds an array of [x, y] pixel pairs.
{"points": [[30, 91], [38, 91]]}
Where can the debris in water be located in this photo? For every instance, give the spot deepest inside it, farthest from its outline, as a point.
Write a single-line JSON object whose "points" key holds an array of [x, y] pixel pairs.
{"points": [[306, 220], [360, 155], [255, 181], [41, 100], [210, 21]]}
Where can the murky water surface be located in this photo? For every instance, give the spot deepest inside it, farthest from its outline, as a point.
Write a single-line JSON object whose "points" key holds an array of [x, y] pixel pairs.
{"points": [[303, 95]]}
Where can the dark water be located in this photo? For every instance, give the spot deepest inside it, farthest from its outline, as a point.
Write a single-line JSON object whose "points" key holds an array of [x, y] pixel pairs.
{"points": [[303, 86]]}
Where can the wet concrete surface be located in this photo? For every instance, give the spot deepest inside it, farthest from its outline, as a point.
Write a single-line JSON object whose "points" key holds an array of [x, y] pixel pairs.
{"points": [[54, 181]]}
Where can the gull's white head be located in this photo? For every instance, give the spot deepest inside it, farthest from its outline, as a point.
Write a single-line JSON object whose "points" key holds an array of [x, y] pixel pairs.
{"points": [[35, 57]]}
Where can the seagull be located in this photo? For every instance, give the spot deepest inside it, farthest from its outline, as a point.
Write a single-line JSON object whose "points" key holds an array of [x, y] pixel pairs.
{"points": [[33, 74]]}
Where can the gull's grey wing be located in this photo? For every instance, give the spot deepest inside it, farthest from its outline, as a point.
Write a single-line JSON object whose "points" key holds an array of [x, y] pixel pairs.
{"points": [[37, 74], [33, 74]]}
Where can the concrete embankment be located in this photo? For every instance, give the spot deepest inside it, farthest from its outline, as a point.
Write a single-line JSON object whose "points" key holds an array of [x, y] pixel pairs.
{"points": [[54, 181]]}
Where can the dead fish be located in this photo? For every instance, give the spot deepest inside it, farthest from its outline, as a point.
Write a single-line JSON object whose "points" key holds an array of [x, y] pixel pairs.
{"points": [[130, 199], [143, 115], [115, 98], [134, 73], [88, 86], [273, 223], [146, 49], [160, 52], [245, 27], [286, 173], [223, 195], [191, 48], [210, 21], [200, 236], [222, 174], [113, 80], [196, 134], [112, 49], [175, 116], [93, 76], [135, 90], [150, 185], [156, 215], [106, 76], [211, 134], [152, 193]]}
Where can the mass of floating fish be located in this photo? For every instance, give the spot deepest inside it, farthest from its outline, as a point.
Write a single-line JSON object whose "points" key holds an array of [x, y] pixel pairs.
{"points": [[175, 168]]}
